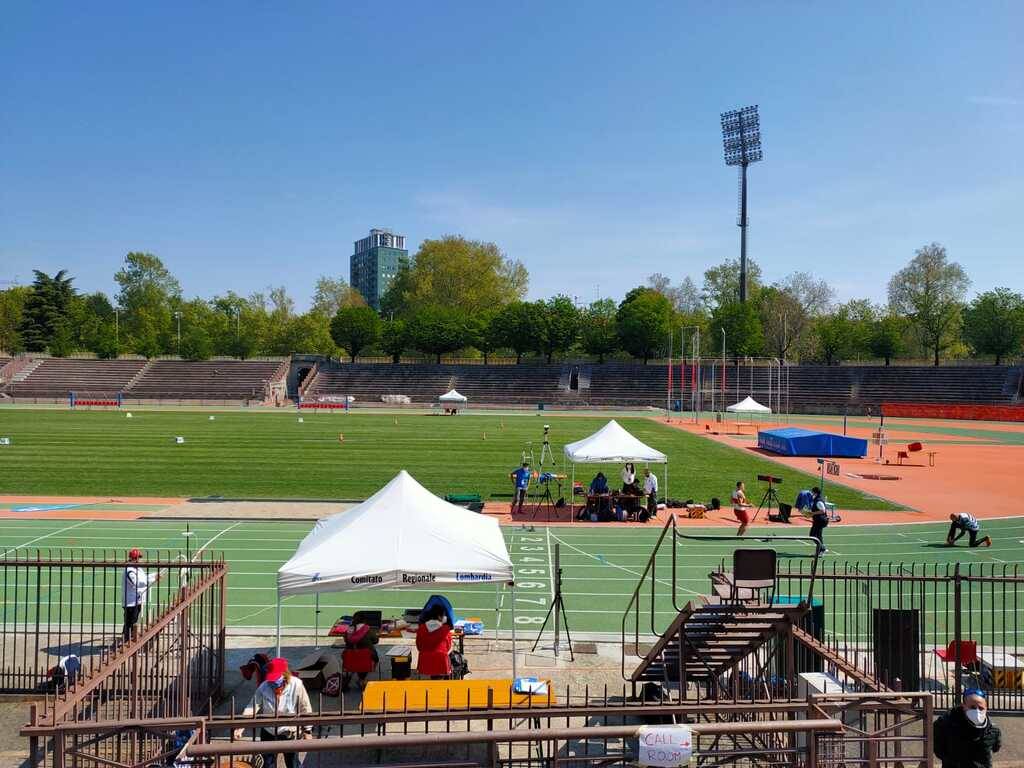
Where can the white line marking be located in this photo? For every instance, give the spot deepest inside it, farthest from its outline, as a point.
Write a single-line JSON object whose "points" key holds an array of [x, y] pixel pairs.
{"points": [[45, 536], [551, 573]]}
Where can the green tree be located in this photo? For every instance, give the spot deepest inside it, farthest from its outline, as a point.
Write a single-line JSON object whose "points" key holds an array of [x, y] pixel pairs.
{"points": [[355, 328], [930, 291], [994, 323], [393, 303], [149, 295], [394, 339], [12, 305], [722, 282], [46, 309], [743, 334], [481, 333], [643, 322], [788, 308], [886, 340], [599, 334], [91, 319], [559, 325], [333, 293], [516, 327], [302, 334], [462, 274], [438, 330], [836, 335]]}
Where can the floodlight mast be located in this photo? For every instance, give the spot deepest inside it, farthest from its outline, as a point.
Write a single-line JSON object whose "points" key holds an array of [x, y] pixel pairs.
{"points": [[741, 141]]}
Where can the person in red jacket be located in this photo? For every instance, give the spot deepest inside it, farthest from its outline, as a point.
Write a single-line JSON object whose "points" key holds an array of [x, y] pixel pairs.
{"points": [[434, 643], [359, 657]]}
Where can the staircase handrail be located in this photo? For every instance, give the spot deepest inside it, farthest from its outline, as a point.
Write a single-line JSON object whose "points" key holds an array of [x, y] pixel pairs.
{"points": [[634, 600]]}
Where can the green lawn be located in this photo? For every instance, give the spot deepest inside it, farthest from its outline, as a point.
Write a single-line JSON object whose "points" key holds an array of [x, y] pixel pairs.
{"points": [[272, 455], [601, 568]]}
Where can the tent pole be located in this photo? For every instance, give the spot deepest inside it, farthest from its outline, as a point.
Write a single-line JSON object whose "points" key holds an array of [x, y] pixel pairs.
{"points": [[572, 495], [513, 587], [278, 621], [316, 621]]}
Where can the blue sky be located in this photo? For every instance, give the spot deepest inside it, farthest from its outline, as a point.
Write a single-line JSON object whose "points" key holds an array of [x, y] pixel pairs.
{"points": [[249, 144]]}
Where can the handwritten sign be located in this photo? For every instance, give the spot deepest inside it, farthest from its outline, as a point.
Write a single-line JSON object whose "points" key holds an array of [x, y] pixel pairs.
{"points": [[664, 746]]}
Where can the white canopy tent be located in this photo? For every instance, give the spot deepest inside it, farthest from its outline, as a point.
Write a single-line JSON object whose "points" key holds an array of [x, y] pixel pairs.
{"points": [[748, 405], [452, 396], [612, 444], [401, 537]]}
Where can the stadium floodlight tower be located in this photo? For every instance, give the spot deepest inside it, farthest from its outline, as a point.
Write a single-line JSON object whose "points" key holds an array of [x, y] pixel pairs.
{"points": [[741, 140]]}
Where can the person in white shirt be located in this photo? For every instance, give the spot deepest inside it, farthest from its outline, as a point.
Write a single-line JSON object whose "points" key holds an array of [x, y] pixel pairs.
{"points": [[651, 492], [964, 522], [280, 693], [135, 584], [628, 475]]}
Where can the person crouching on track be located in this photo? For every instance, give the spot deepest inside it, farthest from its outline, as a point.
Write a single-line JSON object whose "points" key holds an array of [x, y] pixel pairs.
{"points": [[961, 523], [281, 693], [359, 657], [434, 643], [964, 737], [741, 507]]}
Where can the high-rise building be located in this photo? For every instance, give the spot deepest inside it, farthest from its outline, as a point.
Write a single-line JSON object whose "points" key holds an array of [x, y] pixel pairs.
{"points": [[375, 262]]}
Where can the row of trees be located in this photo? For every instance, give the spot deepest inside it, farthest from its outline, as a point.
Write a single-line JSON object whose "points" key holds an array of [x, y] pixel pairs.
{"points": [[460, 295]]}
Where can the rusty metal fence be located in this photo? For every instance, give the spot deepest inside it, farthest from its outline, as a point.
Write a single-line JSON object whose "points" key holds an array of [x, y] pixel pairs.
{"points": [[916, 626], [63, 611]]}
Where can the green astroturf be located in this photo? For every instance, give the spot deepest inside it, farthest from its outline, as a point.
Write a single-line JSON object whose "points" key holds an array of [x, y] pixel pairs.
{"points": [[272, 455], [601, 568]]}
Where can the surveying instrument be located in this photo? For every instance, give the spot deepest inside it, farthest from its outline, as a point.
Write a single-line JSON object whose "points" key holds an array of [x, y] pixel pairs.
{"points": [[771, 496], [558, 610]]}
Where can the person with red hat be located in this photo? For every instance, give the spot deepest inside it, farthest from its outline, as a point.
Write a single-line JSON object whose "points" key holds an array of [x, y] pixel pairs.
{"points": [[135, 585], [280, 693]]}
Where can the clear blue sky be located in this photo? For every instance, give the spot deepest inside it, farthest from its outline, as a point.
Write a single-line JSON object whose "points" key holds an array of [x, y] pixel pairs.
{"points": [[249, 144]]}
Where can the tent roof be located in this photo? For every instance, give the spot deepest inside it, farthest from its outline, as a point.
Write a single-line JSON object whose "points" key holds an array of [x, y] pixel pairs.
{"points": [[402, 536], [748, 405], [451, 396], [611, 443]]}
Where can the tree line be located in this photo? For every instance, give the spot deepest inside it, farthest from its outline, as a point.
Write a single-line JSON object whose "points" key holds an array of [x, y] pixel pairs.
{"points": [[464, 296]]}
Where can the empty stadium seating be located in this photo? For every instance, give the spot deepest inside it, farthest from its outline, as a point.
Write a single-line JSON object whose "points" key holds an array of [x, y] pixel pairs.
{"points": [[206, 380], [56, 377]]}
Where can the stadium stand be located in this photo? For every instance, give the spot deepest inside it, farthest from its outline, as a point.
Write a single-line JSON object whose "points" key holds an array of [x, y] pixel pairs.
{"points": [[368, 382], [54, 377], [206, 380]]}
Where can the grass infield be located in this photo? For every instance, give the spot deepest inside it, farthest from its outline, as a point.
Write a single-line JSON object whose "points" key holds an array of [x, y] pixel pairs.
{"points": [[272, 455]]}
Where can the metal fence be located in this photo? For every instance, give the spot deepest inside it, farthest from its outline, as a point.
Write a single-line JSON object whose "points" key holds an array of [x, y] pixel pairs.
{"points": [[918, 626], [69, 604]]}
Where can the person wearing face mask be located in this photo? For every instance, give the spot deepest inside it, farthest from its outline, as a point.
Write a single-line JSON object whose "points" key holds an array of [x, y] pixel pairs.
{"points": [[280, 693], [964, 736], [434, 643]]}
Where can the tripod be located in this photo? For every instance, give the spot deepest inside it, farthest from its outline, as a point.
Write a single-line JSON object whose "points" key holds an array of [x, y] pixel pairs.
{"points": [[545, 452], [544, 500], [558, 609], [770, 496]]}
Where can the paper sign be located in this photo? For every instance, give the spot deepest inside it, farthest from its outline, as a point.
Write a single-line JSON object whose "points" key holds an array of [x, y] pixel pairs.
{"points": [[664, 746], [832, 467]]}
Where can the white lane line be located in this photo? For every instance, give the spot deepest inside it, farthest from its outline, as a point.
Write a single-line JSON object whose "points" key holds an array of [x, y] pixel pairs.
{"points": [[607, 562], [213, 539], [551, 573], [45, 536]]}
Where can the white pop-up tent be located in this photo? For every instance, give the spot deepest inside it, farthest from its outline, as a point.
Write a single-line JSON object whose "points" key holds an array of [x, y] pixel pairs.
{"points": [[401, 537], [451, 396], [612, 444], [748, 405]]}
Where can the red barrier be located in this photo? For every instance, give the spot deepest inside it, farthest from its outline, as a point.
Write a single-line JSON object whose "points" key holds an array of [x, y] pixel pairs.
{"points": [[327, 406], [111, 403], [954, 411]]}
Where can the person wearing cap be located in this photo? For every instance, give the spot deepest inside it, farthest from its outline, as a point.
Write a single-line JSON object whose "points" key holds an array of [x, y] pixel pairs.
{"points": [[522, 480], [135, 584], [964, 737], [280, 693]]}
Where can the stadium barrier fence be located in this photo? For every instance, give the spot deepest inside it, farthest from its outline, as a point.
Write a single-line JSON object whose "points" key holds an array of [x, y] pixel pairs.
{"points": [[949, 411]]}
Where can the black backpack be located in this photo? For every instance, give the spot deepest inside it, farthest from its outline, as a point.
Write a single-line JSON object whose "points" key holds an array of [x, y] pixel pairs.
{"points": [[460, 667]]}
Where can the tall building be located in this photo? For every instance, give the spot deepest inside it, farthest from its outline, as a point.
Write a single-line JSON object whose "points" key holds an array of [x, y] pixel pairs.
{"points": [[375, 262]]}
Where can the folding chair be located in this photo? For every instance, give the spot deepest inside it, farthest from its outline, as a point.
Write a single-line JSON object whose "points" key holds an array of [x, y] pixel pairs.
{"points": [[967, 651], [753, 572]]}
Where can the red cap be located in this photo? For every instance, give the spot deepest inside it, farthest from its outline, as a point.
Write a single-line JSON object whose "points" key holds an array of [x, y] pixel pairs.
{"points": [[135, 555], [276, 669]]}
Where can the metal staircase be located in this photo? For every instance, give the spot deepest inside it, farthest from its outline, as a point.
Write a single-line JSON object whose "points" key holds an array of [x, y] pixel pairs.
{"points": [[738, 641]]}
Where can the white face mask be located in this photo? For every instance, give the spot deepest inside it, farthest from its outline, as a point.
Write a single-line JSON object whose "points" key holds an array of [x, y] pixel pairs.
{"points": [[433, 625], [977, 717]]}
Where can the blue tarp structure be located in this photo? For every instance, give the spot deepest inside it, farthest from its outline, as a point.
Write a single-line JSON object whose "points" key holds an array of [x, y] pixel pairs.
{"points": [[791, 441]]}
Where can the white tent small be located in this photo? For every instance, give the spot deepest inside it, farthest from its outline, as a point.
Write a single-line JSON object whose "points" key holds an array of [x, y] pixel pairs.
{"points": [[748, 405], [401, 537], [451, 396], [612, 444]]}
